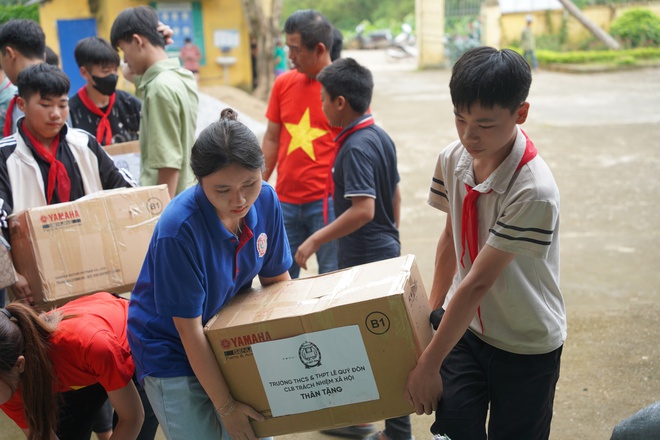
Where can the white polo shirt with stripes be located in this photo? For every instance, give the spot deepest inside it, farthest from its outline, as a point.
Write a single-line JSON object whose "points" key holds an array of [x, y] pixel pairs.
{"points": [[524, 310]]}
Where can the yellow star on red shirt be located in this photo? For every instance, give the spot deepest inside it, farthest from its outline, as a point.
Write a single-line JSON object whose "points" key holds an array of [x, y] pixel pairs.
{"points": [[302, 135]]}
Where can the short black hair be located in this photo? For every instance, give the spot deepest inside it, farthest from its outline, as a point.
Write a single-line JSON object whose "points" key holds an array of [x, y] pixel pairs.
{"points": [[490, 77], [95, 51], [25, 36], [312, 26], [42, 78], [141, 20], [337, 44], [51, 57], [223, 143], [346, 77]]}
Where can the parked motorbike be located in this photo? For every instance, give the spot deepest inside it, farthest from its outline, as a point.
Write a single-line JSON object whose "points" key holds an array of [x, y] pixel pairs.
{"points": [[378, 39], [403, 45]]}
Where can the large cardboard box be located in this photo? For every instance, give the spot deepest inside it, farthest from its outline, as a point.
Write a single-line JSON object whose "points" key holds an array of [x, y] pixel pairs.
{"points": [[326, 351], [96, 243], [126, 156]]}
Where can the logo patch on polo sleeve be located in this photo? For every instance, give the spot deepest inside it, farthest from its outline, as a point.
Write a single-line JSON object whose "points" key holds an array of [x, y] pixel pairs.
{"points": [[262, 244]]}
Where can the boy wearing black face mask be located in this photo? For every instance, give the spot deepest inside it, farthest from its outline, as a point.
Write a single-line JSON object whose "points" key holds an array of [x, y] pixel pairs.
{"points": [[111, 115]]}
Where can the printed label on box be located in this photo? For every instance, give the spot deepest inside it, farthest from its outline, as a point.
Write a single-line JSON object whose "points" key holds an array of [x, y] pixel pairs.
{"points": [[129, 162], [315, 370]]}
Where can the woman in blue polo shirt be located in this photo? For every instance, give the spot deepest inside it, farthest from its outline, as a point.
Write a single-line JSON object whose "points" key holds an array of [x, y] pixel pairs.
{"points": [[211, 241]]}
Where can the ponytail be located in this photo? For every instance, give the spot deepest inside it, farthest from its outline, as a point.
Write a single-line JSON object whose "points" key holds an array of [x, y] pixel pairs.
{"points": [[27, 334]]}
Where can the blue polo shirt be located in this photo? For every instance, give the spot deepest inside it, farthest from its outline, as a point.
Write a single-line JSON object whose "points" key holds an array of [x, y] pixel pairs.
{"points": [[193, 267], [366, 165]]}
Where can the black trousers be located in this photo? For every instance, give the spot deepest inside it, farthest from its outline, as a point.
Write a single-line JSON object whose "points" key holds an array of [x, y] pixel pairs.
{"points": [[518, 390], [78, 410]]}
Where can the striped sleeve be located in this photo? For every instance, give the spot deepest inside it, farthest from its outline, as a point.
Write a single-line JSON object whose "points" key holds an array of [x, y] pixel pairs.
{"points": [[438, 191], [526, 228]]}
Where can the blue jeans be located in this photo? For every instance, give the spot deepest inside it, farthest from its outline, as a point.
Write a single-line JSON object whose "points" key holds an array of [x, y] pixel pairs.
{"points": [[300, 222], [530, 57], [183, 408]]}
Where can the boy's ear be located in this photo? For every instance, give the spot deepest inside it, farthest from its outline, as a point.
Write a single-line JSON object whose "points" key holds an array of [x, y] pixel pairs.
{"points": [[341, 103], [320, 49], [11, 52], [137, 39], [85, 73], [21, 103], [522, 113]]}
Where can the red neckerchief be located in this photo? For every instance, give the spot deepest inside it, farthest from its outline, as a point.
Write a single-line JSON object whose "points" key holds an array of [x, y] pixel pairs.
{"points": [[339, 140], [8, 116], [104, 130], [57, 172], [470, 217]]}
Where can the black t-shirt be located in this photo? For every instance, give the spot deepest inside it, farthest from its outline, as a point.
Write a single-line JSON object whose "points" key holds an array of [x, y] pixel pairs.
{"points": [[366, 165], [124, 117]]}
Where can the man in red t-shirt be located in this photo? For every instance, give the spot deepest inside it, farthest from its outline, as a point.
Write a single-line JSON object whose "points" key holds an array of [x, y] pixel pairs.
{"points": [[299, 141]]}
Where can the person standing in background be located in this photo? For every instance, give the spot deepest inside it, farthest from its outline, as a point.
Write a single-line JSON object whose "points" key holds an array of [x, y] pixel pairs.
{"points": [[169, 100], [22, 43], [50, 57], [299, 141], [528, 43], [280, 58], [7, 92], [337, 44], [190, 56], [113, 116]]}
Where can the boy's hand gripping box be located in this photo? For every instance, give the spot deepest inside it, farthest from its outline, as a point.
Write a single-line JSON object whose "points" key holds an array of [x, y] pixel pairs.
{"points": [[96, 243], [327, 351]]}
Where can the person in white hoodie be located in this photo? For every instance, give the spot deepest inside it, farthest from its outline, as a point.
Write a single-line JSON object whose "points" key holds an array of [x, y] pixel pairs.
{"points": [[169, 99]]}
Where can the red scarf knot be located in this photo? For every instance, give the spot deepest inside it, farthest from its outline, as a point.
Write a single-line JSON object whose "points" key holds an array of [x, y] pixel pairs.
{"points": [[104, 129], [57, 173]]}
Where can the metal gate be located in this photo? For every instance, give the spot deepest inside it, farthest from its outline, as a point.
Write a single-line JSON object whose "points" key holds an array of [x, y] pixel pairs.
{"points": [[462, 27]]}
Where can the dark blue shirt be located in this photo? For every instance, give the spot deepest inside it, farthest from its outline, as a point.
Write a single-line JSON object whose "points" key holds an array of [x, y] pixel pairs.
{"points": [[193, 267], [366, 165]]}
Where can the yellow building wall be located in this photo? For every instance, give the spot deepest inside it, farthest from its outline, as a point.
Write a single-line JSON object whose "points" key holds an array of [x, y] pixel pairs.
{"points": [[547, 22], [226, 14], [50, 12], [216, 14]]}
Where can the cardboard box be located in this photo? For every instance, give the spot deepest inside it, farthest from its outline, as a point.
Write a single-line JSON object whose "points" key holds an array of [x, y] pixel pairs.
{"points": [[96, 243], [126, 156], [327, 351]]}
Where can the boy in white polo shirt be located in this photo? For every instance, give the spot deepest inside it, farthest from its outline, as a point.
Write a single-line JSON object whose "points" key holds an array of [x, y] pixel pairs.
{"points": [[499, 342]]}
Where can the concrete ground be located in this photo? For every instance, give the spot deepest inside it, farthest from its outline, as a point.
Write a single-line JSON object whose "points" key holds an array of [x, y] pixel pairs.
{"points": [[600, 135]]}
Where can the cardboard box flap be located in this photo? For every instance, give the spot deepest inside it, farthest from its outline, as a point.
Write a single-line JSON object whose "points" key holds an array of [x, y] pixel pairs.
{"points": [[309, 295], [130, 147]]}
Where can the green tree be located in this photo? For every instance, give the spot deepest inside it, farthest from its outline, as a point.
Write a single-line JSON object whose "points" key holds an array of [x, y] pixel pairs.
{"points": [[347, 14], [637, 28], [7, 12]]}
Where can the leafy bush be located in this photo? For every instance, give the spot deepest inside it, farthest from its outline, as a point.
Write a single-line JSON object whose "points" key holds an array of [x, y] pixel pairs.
{"points": [[637, 28], [17, 11], [598, 56]]}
